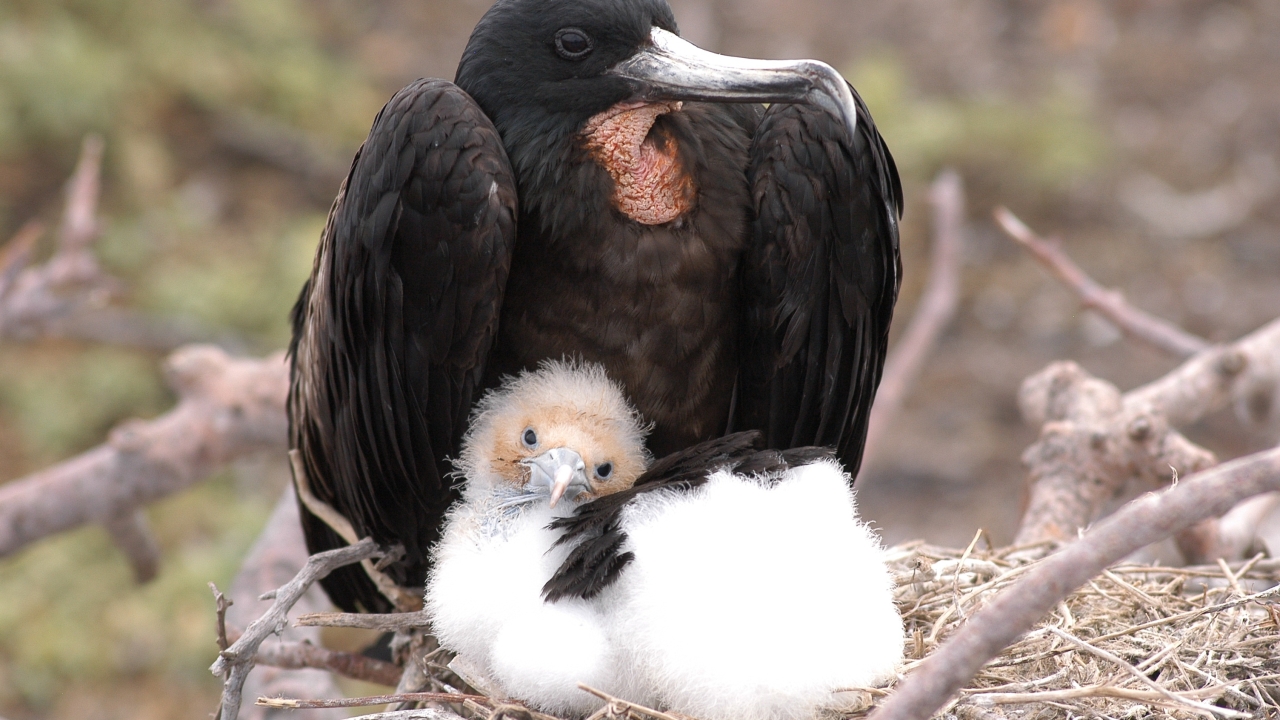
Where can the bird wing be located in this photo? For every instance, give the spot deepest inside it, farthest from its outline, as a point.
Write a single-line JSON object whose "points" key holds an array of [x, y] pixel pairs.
{"points": [[598, 558], [820, 278], [392, 330]]}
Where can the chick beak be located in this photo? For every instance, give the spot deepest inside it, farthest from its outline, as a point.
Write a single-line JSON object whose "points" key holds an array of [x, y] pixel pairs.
{"points": [[561, 471]]}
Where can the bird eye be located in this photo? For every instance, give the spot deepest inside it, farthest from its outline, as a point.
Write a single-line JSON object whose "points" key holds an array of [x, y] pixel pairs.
{"points": [[530, 438], [573, 44], [604, 470]]}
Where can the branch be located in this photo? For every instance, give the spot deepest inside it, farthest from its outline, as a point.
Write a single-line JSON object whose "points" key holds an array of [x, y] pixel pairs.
{"points": [[288, 655], [386, 622], [1095, 440], [227, 408], [41, 297], [936, 309], [275, 558], [299, 704], [1111, 304], [234, 663], [1014, 611], [66, 296], [131, 533]]}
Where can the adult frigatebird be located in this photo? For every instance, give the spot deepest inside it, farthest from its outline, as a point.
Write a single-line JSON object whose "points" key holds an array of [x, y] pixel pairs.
{"points": [[592, 186]]}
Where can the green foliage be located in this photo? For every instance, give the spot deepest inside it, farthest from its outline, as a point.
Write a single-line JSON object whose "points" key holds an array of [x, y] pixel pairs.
{"points": [[65, 402], [69, 66], [1050, 142]]}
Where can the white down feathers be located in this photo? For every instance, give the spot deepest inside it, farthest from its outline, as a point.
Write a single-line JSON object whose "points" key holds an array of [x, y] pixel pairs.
{"points": [[749, 602], [485, 599], [746, 600]]}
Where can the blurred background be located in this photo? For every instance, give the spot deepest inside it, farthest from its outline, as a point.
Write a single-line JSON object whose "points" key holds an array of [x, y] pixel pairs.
{"points": [[1144, 133]]}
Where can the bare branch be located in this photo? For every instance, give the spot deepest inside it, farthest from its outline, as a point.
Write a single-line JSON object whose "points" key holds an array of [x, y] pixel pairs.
{"points": [[387, 622], [71, 281], [1094, 441], [1091, 446], [221, 603], [234, 663], [299, 704], [1111, 304], [936, 309], [17, 253], [132, 534], [622, 707], [418, 714], [275, 558], [79, 217], [228, 408], [1141, 522], [288, 655]]}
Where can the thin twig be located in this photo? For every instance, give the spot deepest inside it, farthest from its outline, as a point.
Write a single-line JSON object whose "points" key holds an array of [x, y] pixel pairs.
{"points": [[298, 704], [418, 714], [1142, 678], [233, 664], [650, 712], [289, 655], [1111, 304], [934, 312], [1015, 610], [387, 622], [221, 602], [17, 253]]}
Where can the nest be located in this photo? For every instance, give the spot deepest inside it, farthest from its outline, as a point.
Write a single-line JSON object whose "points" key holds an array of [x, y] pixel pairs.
{"points": [[1136, 641]]}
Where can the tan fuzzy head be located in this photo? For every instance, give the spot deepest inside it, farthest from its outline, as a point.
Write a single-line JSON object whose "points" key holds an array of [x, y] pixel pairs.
{"points": [[564, 404]]}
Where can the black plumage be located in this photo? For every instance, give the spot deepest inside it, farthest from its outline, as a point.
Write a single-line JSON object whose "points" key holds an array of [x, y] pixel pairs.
{"points": [[757, 298], [597, 558]]}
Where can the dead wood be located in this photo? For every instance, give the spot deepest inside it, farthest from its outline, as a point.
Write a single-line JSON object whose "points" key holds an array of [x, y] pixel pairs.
{"points": [[1110, 303], [234, 663], [1017, 608], [1096, 442], [387, 622], [275, 558], [36, 298], [227, 408], [297, 703]]}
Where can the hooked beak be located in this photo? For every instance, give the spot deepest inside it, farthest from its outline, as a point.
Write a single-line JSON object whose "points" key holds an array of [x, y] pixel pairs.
{"points": [[561, 471], [671, 68]]}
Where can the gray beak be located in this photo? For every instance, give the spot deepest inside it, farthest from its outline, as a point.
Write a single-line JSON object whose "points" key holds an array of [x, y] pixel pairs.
{"points": [[560, 471], [670, 68]]}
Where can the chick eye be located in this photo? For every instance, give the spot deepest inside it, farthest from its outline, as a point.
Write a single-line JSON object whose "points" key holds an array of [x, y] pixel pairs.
{"points": [[530, 438], [573, 44], [604, 470]]}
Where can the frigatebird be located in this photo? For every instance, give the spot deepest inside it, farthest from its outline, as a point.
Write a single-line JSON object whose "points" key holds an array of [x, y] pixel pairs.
{"points": [[590, 186], [571, 559], [539, 446]]}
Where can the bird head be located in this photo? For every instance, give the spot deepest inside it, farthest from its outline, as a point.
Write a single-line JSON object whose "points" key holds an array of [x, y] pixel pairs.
{"points": [[564, 431], [541, 69]]}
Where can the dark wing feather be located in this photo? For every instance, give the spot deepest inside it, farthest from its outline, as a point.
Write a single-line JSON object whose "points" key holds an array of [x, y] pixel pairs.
{"points": [[820, 278], [392, 331], [597, 559]]}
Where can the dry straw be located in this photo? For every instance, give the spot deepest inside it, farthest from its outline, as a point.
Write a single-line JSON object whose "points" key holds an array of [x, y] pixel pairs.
{"points": [[1136, 641]]}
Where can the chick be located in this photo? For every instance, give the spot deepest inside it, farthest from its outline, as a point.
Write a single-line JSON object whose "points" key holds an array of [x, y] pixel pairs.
{"points": [[538, 446], [724, 581], [744, 586]]}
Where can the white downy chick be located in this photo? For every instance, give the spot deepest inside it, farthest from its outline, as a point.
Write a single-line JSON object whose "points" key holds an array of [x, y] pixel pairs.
{"points": [[538, 446], [755, 597]]}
